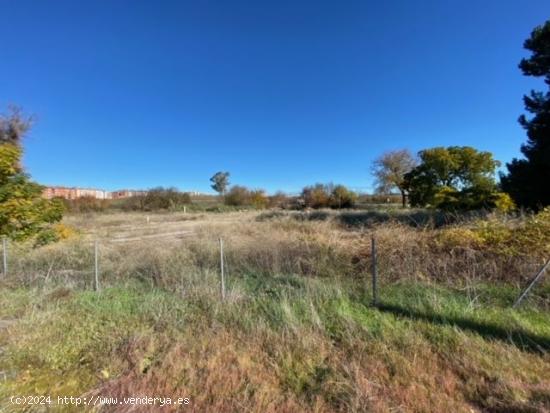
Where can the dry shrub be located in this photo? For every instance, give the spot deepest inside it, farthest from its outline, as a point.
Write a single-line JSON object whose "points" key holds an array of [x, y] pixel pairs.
{"points": [[281, 244]]}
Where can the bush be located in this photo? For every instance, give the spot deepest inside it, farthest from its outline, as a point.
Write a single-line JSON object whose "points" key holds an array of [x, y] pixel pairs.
{"points": [[237, 196], [258, 199], [242, 196], [157, 199], [341, 197], [280, 200], [56, 232], [504, 203], [316, 196], [328, 195], [528, 237], [85, 204]]}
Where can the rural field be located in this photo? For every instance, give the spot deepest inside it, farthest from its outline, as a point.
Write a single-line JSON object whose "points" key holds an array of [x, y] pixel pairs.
{"points": [[297, 330], [275, 206]]}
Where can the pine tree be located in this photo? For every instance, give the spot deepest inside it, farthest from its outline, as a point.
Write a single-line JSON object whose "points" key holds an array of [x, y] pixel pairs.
{"points": [[528, 179]]}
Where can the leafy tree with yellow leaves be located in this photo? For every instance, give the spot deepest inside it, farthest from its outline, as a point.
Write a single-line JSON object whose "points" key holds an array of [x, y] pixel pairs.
{"points": [[23, 211]]}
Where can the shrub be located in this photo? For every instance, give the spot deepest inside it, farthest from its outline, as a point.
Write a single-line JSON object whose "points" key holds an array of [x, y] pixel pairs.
{"points": [[237, 196], [504, 203], [165, 198], [279, 200], [85, 204], [242, 196], [341, 197], [316, 196], [529, 237], [156, 199], [56, 232], [328, 195], [258, 199]]}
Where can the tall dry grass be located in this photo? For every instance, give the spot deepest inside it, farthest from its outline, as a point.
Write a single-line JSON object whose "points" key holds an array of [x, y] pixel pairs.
{"points": [[296, 331], [287, 244]]}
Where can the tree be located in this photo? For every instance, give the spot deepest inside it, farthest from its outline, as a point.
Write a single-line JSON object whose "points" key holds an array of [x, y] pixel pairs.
{"points": [[164, 198], [220, 182], [528, 179], [14, 125], [342, 197], [23, 211], [328, 195], [279, 200], [237, 196], [242, 196], [454, 178], [390, 169], [316, 196], [258, 199]]}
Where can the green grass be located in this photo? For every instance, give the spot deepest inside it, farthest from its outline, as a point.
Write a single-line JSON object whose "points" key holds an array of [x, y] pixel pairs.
{"points": [[304, 344]]}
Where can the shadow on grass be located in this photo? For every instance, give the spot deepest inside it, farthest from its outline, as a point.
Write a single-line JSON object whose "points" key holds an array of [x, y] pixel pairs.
{"points": [[522, 339], [412, 218]]}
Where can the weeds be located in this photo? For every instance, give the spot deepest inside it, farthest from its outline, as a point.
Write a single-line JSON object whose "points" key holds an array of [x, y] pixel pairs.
{"points": [[296, 331]]}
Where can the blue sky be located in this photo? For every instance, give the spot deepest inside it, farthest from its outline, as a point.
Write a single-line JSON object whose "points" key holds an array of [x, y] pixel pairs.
{"points": [[134, 94]]}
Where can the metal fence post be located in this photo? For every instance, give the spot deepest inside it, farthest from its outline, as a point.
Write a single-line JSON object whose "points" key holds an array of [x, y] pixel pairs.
{"points": [[221, 270], [531, 284], [96, 265], [5, 256], [374, 274]]}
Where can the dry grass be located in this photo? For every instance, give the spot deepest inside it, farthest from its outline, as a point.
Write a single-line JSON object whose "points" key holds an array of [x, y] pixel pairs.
{"points": [[296, 332], [284, 244]]}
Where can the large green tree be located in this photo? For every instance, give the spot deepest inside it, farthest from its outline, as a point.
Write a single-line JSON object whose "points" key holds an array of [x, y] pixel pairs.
{"points": [[528, 179], [23, 211], [454, 178]]}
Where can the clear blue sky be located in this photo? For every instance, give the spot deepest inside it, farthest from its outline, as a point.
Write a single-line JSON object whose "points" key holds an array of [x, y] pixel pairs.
{"points": [[280, 93]]}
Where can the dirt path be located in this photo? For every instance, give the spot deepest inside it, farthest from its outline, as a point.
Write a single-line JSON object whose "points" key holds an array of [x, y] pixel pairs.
{"points": [[130, 227]]}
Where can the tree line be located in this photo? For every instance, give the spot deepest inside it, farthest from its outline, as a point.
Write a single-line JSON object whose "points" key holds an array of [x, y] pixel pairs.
{"points": [[462, 178], [457, 177]]}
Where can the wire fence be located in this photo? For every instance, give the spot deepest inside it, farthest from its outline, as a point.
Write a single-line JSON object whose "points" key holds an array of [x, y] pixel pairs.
{"points": [[158, 257]]}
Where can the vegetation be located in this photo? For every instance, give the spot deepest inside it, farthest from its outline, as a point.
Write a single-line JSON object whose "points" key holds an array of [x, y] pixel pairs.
{"points": [[455, 178], [328, 196], [242, 196], [390, 170], [23, 212], [220, 182], [280, 200], [527, 179], [296, 331], [159, 199]]}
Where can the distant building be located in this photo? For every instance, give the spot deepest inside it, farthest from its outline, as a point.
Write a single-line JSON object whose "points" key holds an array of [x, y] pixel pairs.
{"points": [[75, 193], [59, 192], [92, 193], [126, 193]]}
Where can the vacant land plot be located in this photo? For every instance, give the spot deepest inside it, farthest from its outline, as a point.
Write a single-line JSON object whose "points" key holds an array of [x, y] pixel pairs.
{"points": [[296, 331]]}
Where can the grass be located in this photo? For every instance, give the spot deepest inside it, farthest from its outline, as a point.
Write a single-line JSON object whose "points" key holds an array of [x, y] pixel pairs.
{"points": [[289, 343], [297, 331]]}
